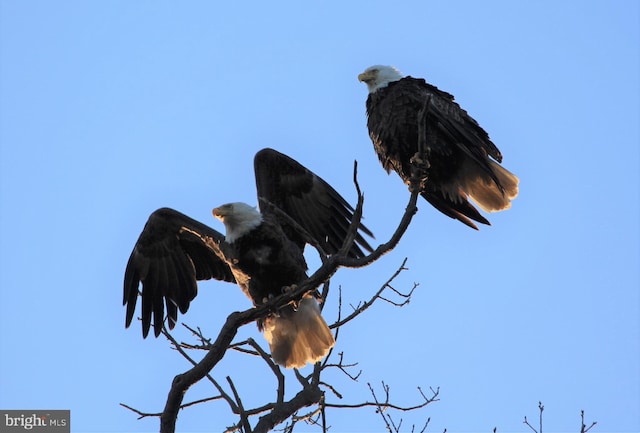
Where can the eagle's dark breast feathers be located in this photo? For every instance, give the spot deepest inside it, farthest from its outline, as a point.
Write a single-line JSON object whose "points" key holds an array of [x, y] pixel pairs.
{"points": [[264, 261]]}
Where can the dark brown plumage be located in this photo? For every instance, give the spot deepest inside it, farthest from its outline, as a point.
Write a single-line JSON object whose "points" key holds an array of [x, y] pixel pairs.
{"points": [[463, 162]]}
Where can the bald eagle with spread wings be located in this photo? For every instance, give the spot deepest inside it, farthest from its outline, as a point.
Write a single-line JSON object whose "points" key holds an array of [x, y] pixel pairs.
{"points": [[262, 252], [462, 161]]}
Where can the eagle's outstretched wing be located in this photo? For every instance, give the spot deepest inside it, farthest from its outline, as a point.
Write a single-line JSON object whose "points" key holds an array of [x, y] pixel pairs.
{"points": [[170, 256], [308, 200]]}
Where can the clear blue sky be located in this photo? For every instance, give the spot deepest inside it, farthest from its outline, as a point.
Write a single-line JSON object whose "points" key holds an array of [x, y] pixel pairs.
{"points": [[110, 110]]}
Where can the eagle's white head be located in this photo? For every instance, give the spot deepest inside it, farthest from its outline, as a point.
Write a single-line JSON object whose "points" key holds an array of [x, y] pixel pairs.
{"points": [[238, 219], [378, 76]]}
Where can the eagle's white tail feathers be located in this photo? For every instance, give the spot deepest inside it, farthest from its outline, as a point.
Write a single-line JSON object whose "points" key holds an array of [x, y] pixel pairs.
{"points": [[483, 190], [299, 338]]}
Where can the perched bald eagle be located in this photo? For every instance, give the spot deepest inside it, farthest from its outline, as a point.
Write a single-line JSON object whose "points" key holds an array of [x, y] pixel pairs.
{"points": [[262, 252], [462, 160]]}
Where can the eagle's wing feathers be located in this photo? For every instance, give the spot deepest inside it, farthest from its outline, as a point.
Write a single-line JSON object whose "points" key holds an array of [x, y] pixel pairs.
{"points": [[170, 256], [455, 122], [308, 200]]}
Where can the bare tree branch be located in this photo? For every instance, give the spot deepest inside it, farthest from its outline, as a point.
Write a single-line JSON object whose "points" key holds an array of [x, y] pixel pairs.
{"points": [[343, 367], [526, 422], [361, 308], [583, 427], [307, 397], [357, 216], [274, 368], [244, 418], [157, 414], [387, 405]]}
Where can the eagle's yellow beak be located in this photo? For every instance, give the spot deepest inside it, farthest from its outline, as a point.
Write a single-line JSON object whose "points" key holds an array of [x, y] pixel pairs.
{"points": [[365, 76], [221, 211]]}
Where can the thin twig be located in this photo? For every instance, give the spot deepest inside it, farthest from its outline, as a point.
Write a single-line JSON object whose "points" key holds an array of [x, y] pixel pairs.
{"points": [[584, 428], [343, 367], [157, 414], [380, 408], [274, 368], [352, 232], [387, 405], [376, 296], [244, 418], [332, 389], [526, 422]]}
